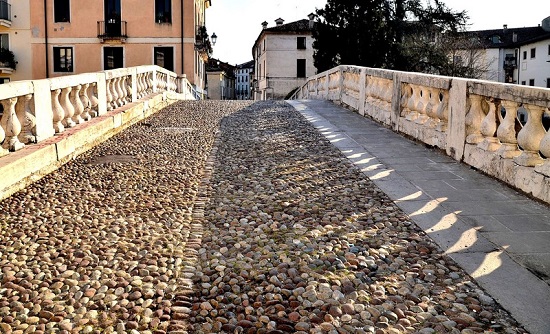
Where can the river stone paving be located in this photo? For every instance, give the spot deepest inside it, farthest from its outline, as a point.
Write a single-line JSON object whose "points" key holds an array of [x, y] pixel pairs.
{"points": [[275, 232], [297, 240], [103, 244]]}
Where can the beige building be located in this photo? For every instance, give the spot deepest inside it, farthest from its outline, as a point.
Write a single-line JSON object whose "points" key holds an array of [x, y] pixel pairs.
{"points": [[220, 80], [15, 34], [73, 36], [283, 58]]}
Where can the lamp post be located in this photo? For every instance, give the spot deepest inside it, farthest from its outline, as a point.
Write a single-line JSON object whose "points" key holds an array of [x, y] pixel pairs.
{"points": [[214, 38]]}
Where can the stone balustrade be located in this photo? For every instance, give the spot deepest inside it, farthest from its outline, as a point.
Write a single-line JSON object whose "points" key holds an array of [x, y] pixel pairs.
{"points": [[36, 110], [477, 122], [37, 115]]}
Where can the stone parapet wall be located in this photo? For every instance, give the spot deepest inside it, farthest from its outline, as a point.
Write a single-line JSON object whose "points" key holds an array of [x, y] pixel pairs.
{"points": [[500, 129], [45, 123]]}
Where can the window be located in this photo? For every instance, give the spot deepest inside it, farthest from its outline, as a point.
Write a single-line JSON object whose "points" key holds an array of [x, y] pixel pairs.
{"points": [[547, 82], [5, 41], [62, 11], [300, 68], [533, 52], [524, 54], [113, 57], [62, 59], [163, 11], [549, 50], [531, 82], [523, 83], [164, 57], [301, 43]]}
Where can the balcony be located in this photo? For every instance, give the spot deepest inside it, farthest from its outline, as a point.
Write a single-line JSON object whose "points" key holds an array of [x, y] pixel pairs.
{"points": [[510, 62], [7, 61], [112, 30], [5, 14]]}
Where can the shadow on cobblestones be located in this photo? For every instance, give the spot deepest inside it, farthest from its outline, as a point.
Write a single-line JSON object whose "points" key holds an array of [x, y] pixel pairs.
{"points": [[297, 240]]}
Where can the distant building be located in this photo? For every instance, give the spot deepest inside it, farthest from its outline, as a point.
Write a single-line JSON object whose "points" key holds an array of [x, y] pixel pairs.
{"points": [[518, 55], [220, 80], [283, 58], [243, 77]]}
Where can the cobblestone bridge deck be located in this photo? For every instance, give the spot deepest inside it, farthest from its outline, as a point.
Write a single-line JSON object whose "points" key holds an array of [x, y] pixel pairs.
{"points": [[232, 217]]}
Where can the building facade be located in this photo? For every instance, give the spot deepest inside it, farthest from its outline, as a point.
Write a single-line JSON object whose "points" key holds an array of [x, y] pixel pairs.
{"points": [[518, 55], [71, 36], [243, 78], [220, 80], [283, 58], [15, 34]]}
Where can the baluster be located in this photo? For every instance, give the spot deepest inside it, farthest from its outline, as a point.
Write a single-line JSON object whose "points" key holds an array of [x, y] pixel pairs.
{"points": [[413, 101], [58, 112], [406, 95], [142, 87], [475, 116], [109, 95], [127, 88], [489, 127], [420, 107], [94, 102], [443, 111], [431, 107], [77, 105], [121, 90], [67, 107], [114, 93], [11, 125], [530, 137], [388, 91], [138, 86], [27, 119], [150, 83], [508, 130], [545, 149], [2, 137], [86, 105]]}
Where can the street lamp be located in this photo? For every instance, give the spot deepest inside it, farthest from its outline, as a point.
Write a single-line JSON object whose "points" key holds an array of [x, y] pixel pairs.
{"points": [[214, 38]]}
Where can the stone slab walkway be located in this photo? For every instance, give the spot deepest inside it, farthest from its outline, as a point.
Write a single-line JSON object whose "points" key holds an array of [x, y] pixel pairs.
{"points": [[501, 237]]}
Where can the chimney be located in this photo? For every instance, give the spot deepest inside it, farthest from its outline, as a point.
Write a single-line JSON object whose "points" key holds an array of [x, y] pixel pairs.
{"points": [[504, 28], [279, 22], [311, 17], [264, 25]]}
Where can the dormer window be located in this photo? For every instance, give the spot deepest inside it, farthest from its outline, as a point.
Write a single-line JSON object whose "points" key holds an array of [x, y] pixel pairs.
{"points": [[495, 39]]}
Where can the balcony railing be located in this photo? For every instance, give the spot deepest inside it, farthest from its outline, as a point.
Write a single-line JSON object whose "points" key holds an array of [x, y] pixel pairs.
{"points": [[112, 30], [5, 13]]}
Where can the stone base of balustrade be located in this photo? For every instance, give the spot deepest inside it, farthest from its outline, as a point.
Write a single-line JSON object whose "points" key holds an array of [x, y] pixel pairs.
{"points": [[21, 168], [351, 102], [422, 133], [527, 179]]}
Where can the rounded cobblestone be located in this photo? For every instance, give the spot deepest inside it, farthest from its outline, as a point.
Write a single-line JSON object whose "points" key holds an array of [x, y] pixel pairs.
{"points": [[179, 225]]}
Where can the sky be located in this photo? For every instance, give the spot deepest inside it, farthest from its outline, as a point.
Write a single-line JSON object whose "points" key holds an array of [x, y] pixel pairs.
{"points": [[237, 23]]}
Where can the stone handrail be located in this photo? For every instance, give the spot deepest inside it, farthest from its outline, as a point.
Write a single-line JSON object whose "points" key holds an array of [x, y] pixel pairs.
{"points": [[36, 110], [474, 121]]}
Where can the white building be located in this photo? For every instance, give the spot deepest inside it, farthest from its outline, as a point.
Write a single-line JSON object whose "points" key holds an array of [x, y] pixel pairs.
{"points": [[283, 58], [243, 77], [518, 55]]}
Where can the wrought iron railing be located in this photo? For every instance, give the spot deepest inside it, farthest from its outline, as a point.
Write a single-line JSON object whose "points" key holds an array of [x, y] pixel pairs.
{"points": [[112, 29]]}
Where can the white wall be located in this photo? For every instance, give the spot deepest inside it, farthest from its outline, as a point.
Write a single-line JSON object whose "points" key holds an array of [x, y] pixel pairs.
{"points": [[537, 68]]}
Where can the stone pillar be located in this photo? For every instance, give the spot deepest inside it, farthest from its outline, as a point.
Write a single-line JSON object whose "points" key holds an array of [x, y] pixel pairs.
{"points": [[456, 129]]}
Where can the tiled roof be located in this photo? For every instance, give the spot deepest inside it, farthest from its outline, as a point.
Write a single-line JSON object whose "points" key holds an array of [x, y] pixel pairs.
{"points": [[297, 26], [504, 38]]}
